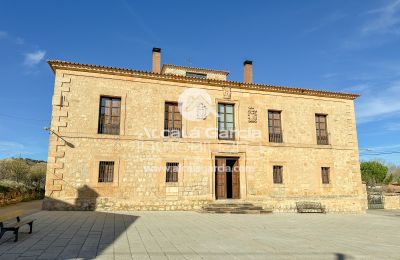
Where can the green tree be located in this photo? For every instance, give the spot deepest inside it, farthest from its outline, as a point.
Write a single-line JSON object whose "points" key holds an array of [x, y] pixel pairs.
{"points": [[373, 172], [16, 169]]}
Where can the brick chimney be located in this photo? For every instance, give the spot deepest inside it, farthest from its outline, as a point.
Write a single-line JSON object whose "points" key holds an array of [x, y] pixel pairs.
{"points": [[156, 60], [248, 71]]}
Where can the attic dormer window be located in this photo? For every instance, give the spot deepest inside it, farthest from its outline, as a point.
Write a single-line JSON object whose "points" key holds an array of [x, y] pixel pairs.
{"points": [[196, 75]]}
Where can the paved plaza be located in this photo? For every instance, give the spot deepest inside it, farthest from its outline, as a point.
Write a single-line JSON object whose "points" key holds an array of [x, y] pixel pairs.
{"points": [[192, 235]]}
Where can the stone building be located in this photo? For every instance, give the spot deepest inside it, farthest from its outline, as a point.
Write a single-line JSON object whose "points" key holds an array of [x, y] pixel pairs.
{"points": [[179, 138]]}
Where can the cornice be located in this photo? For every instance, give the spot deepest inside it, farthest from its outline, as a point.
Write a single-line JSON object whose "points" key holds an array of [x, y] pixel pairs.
{"points": [[65, 65]]}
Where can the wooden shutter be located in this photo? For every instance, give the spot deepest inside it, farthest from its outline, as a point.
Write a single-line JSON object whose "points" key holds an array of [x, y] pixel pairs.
{"points": [[236, 181], [109, 115], [274, 126], [220, 178], [278, 174], [321, 127], [325, 175], [173, 120]]}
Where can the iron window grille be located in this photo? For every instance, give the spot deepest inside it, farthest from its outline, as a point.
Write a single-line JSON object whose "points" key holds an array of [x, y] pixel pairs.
{"points": [[172, 170], [106, 171]]}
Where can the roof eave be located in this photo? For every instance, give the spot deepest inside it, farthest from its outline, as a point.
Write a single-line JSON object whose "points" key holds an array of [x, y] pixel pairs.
{"points": [[58, 64]]}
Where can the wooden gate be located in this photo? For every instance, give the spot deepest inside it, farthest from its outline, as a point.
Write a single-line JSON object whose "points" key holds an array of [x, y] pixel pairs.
{"points": [[376, 200]]}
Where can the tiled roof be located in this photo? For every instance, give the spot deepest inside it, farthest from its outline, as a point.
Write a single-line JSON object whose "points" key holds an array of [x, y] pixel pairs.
{"points": [[224, 72], [58, 64]]}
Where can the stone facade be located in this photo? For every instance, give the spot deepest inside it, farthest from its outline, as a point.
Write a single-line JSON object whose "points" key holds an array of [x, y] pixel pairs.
{"points": [[140, 152]]}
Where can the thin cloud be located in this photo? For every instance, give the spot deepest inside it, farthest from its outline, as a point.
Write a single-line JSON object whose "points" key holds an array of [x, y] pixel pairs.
{"points": [[379, 103], [326, 21], [34, 58], [9, 149], [385, 19], [3, 34], [392, 127]]}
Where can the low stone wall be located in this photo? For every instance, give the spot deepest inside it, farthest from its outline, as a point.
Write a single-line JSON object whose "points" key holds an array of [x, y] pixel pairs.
{"points": [[15, 196], [392, 201], [111, 204], [349, 204]]}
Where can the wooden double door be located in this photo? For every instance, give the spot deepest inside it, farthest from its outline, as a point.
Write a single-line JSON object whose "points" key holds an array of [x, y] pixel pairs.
{"points": [[227, 178]]}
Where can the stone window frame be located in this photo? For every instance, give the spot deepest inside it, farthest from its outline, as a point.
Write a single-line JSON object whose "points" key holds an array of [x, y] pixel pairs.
{"points": [[326, 116], [161, 120], [331, 175], [285, 175], [162, 183], [236, 109], [94, 171], [96, 99], [241, 155]]}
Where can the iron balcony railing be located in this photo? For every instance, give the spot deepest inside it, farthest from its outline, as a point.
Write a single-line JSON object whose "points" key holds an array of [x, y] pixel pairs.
{"points": [[322, 139], [173, 132], [275, 138], [112, 129]]}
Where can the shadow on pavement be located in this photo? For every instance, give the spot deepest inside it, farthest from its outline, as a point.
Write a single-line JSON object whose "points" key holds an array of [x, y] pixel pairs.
{"points": [[79, 232]]}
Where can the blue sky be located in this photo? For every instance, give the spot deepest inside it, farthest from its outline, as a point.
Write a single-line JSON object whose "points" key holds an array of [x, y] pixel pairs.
{"points": [[351, 46]]}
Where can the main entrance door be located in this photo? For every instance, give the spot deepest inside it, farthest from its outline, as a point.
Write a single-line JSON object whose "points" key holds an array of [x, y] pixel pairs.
{"points": [[227, 178]]}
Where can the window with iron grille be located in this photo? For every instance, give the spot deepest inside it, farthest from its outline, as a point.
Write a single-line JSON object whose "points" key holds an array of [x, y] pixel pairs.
{"points": [[278, 174], [106, 171], [172, 172], [196, 75], [173, 120], [274, 126], [226, 122], [325, 175], [322, 132], [109, 118]]}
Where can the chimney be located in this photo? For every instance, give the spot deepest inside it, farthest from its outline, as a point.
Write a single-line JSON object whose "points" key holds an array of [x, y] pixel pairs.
{"points": [[248, 71], [156, 66]]}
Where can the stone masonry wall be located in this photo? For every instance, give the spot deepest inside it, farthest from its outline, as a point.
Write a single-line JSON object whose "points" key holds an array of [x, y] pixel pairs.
{"points": [[140, 152]]}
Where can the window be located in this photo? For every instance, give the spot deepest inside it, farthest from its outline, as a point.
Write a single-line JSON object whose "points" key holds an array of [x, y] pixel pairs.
{"points": [[110, 110], [173, 120], [172, 172], [106, 171], [322, 133], [226, 126], [196, 75], [278, 174], [325, 175], [274, 126]]}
